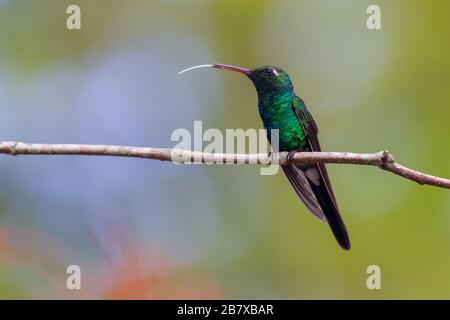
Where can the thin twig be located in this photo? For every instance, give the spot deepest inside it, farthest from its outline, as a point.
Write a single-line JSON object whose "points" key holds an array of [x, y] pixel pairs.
{"points": [[383, 159]]}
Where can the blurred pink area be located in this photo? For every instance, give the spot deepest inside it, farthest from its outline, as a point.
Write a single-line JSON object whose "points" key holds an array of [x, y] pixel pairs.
{"points": [[132, 272]]}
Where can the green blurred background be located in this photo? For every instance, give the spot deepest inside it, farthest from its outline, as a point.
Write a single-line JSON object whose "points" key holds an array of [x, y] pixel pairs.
{"points": [[144, 229]]}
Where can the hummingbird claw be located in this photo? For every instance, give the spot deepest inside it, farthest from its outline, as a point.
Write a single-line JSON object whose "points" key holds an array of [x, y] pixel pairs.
{"points": [[290, 156]]}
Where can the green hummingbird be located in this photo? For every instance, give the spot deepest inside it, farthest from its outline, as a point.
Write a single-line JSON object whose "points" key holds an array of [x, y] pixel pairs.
{"points": [[280, 108]]}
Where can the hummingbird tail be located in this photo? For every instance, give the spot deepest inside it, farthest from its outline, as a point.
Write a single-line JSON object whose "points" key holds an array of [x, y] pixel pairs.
{"points": [[314, 189], [328, 205]]}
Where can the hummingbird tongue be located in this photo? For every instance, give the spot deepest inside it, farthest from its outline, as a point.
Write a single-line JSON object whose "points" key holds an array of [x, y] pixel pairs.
{"points": [[196, 67], [219, 66]]}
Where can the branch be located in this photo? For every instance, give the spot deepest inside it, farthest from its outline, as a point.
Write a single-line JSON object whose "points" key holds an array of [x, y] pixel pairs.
{"points": [[383, 159]]}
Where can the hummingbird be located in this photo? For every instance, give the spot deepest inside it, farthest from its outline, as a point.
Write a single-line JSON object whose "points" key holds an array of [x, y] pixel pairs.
{"points": [[282, 109]]}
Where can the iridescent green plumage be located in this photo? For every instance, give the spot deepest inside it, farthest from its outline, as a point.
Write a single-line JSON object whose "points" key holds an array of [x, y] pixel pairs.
{"points": [[277, 104]]}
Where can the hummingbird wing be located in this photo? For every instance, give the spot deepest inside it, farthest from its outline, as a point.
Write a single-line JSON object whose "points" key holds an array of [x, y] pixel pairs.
{"points": [[317, 177], [300, 183]]}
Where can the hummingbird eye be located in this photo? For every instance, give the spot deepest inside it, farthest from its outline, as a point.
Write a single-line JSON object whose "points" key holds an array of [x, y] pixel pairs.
{"points": [[268, 71]]}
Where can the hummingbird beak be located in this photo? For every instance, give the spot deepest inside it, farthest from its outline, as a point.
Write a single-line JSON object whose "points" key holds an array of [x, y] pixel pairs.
{"points": [[232, 68], [219, 66]]}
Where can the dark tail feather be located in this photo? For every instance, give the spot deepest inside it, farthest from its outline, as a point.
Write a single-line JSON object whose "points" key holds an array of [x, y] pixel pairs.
{"points": [[330, 210]]}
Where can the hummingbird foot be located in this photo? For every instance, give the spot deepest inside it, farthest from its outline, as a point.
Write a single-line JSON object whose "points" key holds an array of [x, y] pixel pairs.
{"points": [[270, 158], [290, 156]]}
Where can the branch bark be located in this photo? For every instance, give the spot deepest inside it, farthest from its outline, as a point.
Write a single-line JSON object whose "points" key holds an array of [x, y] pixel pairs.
{"points": [[383, 159]]}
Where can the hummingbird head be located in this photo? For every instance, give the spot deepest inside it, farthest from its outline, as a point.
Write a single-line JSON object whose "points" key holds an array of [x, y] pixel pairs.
{"points": [[267, 79], [270, 79]]}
